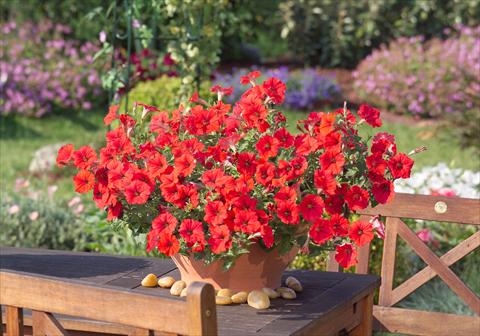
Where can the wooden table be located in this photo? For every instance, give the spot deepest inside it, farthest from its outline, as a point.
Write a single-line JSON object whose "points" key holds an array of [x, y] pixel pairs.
{"points": [[331, 303]]}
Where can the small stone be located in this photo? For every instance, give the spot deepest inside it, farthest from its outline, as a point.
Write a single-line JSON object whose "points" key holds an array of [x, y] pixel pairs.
{"points": [[183, 293], [287, 293], [271, 293], [223, 300], [150, 280], [225, 292], [177, 287], [258, 300], [240, 297], [294, 284], [166, 282]]}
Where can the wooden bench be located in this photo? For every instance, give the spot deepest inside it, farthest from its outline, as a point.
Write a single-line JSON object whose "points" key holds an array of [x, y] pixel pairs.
{"points": [[416, 322], [46, 295]]}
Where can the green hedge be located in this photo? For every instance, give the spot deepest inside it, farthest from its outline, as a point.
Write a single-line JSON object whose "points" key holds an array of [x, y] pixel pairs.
{"points": [[336, 33]]}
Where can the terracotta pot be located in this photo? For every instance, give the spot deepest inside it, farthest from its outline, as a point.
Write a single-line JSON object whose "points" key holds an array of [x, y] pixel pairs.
{"points": [[253, 270]]}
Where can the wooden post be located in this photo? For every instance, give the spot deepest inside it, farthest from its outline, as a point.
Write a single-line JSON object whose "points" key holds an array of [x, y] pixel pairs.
{"points": [[45, 324], [14, 321], [365, 326], [388, 261], [201, 309]]}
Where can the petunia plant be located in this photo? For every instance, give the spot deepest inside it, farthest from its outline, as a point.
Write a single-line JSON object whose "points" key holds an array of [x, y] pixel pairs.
{"points": [[210, 179]]}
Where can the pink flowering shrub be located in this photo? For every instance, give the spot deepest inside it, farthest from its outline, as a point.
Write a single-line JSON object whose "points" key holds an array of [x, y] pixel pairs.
{"points": [[427, 79], [42, 69]]}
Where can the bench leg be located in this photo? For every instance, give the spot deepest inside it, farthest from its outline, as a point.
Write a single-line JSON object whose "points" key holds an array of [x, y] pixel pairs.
{"points": [[365, 326]]}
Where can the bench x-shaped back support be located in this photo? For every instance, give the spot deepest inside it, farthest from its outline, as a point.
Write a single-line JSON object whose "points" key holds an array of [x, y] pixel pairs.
{"points": [[434, 208]]}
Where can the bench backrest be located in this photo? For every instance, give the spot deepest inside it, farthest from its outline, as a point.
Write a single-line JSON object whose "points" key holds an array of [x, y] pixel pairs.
{"points": [[46, 295], [434, 208]]}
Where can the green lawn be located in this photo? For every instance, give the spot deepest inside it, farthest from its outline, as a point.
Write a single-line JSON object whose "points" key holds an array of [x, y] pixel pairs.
{"points": [[20, 137]]}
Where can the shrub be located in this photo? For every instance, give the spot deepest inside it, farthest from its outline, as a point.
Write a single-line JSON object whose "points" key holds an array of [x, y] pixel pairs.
{"points": [[306, 89], [39, 221], [42, 69], [436, 79], [341, 33], [162, 92]]}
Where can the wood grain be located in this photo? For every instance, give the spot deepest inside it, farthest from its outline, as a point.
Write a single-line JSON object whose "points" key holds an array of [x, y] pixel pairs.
{"points": [[459, 210], [14, 318], [366, 325], [388, 261], [108, 304], [443, 271], [201, 309], [417, 322], [44, 324], [449, 258]]}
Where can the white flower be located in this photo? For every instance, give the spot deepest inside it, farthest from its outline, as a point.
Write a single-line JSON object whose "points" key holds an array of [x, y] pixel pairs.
{"points": [[14, 209]]}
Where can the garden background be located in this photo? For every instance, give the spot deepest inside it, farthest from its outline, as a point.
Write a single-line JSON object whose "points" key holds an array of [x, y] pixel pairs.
{"points": [[63, 62]]}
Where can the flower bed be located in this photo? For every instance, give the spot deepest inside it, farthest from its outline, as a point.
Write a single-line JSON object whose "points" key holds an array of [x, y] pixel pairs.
{"points": [[306, 89], [442, 180], [433, 79], [42, 69]]}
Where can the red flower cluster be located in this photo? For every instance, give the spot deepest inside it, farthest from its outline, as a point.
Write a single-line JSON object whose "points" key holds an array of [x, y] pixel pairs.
{"points": [[209, 179]]}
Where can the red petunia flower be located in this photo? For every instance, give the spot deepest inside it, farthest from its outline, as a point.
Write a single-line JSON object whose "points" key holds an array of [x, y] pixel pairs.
{"points": [[370, 115], [284, 138], [275, 89], [215, 213], [83, 181], [383, 191], [221, 90], [321, 231], [265, 173], [246, 221], [111, 115], [357, 198], [187, 195], [311, 207], [192, 232], [246, 163], [400, 166], [157, 165], [332, 162], [137, 192], [361, 232], [339, 225], [220, 240], [305, 144], [267, 235], [267, 146], [299, 165], [115, 211], [346, 255], [285, 194], [84, 157], [184, 165], [165, 222], [334, 204], [168, 244], [64, 155], [250, 77], [324, 181], [376, 163], [384, 143], [287, 212]]}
